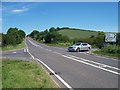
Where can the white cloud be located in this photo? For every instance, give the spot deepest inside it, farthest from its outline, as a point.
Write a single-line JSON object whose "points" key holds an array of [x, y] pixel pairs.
{"points": [[19, 10]]}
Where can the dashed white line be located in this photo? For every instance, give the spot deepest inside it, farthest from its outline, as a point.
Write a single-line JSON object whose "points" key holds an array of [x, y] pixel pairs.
{"points": [[57, 53], [14, 52], [59, 78], [85, 61]]}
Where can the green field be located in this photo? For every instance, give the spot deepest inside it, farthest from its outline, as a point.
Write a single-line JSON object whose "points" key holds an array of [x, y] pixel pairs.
{"points": [[24, 74], [76, 33]]}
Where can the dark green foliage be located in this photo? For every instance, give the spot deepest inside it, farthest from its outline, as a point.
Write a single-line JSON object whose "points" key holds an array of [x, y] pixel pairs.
{"points": [[51, 36], [13, 37], [55, 37], [112, 49], [34, 34], [21, 33], [52, 29], [118, 38]]}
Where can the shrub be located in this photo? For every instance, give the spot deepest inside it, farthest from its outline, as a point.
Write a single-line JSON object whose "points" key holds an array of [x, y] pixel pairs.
{"points": [[113, 49]]}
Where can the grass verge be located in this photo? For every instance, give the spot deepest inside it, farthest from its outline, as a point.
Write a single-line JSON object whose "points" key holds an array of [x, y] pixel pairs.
{"points": [[10, 47], [24, 74], [99, 52]]}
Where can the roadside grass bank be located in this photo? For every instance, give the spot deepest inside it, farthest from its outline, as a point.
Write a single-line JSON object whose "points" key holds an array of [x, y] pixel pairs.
{"points": [[24, 74], [60, 44], [10, 47], [110, 50]]}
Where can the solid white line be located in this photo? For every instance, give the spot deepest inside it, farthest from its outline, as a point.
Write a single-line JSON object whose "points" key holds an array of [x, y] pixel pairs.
{"points": [[65, 83], [50, 76], [104, 65], [33, 43], [30, 54], [92, 65], [59, 78]]}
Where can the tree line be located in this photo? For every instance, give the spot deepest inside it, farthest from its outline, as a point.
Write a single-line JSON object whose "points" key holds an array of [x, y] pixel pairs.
{"points": [[49, 36], [13, 37], [52, 36]]}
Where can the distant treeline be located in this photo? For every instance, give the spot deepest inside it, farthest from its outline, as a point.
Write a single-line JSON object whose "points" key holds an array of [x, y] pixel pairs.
{"points": [[52, 36], [13, 37]]}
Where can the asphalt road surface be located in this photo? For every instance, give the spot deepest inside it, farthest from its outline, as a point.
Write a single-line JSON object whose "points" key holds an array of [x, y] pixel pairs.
{"points": [[74, 69]]}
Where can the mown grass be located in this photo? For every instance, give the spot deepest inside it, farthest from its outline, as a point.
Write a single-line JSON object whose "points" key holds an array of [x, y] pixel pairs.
{"points": [[24, 74], [72, 34], [10, 47]]}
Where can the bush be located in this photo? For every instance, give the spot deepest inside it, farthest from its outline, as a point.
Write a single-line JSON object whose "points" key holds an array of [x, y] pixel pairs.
{"points": [[113, 49]]}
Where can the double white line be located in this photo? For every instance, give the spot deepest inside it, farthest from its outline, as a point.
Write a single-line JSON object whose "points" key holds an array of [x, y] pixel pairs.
{"points": [[94, 64]]}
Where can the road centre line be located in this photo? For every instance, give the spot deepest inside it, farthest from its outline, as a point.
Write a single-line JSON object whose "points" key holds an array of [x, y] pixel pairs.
{"points": [[85, 61], [94, 62], [57, 53], [33, 43], [59, 78], [92, 65]]}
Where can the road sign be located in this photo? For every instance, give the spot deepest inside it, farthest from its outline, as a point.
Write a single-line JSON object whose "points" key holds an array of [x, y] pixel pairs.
{"points": [[110, 37]]}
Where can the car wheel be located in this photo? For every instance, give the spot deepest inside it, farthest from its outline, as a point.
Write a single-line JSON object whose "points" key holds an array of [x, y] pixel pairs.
{"points": [[78, 50], [88, 48]]}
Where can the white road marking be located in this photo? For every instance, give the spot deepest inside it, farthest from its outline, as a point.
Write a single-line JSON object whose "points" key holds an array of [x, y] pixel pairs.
{"points": [[30, 54], [57, 53], [24, 50], [14, 52], [33, 43], [48, 50], [94, 62], [84, 62], [87, 62], [63, 81], [50, 76]]}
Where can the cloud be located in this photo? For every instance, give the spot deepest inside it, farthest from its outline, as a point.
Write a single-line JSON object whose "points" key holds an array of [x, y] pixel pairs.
{"points": [[19, 10]]}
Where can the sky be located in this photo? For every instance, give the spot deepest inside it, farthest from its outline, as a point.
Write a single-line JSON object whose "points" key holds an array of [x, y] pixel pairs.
{"points": [[29, 16]]}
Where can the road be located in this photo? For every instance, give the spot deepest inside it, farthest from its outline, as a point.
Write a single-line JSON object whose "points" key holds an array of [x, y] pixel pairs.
{"points": [[75, 69]]}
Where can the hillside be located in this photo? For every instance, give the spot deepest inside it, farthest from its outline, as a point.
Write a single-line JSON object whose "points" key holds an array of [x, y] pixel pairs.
{"points": [[77, 33]]}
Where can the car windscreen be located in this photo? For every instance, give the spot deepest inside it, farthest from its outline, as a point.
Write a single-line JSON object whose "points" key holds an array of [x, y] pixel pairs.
{"points": [[77, 44]]}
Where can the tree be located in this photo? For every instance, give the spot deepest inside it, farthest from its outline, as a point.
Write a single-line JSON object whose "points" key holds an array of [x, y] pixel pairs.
{"points": [[13, 36], [100, 39], [52, 29], [34, 34], [21, 33]]}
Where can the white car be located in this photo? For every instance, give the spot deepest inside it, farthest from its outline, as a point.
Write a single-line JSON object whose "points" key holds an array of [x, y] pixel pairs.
{"points": [[79, 46]]}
